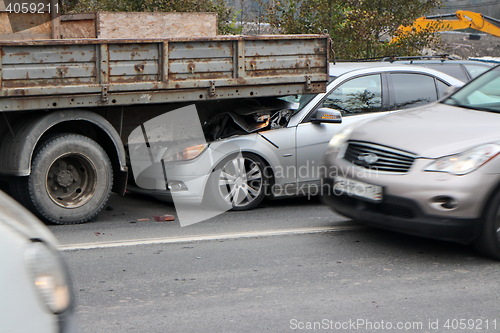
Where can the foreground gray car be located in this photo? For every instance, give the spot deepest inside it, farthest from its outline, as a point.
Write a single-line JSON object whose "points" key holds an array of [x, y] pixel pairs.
{"points": [[36, 294], [273, 147], [432, 171]]}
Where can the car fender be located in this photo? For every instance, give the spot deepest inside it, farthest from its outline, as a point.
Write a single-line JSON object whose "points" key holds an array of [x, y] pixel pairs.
{"points": [[252, 143]]}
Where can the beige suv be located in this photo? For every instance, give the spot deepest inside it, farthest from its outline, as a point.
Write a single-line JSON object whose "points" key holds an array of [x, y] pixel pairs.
{"points": [[432, 171]]}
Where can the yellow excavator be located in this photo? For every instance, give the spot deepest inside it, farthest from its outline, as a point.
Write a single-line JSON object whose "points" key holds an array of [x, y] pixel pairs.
{"points": [[462, 19]]}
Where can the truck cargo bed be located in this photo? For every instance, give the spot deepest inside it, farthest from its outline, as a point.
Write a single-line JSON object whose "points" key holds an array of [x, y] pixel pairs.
{"points": [[54, 74]]}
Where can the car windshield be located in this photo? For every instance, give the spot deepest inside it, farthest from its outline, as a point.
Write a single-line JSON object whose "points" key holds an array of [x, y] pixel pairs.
{"points": [[300, 101], [481, 94]]}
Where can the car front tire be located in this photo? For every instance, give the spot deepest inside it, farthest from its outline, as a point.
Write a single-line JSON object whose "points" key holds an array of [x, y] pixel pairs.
{"points": [[238, 183]]}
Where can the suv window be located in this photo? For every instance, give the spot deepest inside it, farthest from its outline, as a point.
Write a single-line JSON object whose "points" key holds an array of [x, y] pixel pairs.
{"points": [[476, 70], [412, 90], [454, 70], [356, 96]]}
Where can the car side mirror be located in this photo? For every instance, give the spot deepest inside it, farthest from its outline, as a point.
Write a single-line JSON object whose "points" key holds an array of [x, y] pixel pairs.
{"points": [[327, 115]]}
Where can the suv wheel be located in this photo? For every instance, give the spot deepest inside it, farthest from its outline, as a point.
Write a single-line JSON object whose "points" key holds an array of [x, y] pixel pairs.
{"points": [[488, 242]]}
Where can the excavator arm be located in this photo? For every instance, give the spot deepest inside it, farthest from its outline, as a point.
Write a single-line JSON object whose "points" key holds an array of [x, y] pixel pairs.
{"points": [[462, 19]]}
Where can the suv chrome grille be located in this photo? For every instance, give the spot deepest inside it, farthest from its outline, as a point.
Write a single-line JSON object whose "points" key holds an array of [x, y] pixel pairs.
{"points": [[380, 158]]}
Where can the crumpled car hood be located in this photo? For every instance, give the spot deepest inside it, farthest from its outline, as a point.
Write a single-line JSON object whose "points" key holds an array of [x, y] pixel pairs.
{"points": [[248, 116]]}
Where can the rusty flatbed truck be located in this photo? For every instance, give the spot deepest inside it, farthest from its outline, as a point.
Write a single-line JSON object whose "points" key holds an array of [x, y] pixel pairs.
{"points": [[66, 105]]}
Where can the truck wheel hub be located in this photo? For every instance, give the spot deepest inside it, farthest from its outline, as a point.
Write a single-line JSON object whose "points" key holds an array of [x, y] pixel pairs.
{"points": [[65, 178]]}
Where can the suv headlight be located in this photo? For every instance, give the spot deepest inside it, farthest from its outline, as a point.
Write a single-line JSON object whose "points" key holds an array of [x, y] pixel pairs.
{"points": [[468, 161], [49, 276]]}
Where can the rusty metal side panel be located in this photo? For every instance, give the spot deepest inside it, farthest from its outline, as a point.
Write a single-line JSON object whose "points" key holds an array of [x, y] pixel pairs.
{"points": [[58, 69], [194, 61], [134, 62], [39, 66], [284, 57], [154, 97]]}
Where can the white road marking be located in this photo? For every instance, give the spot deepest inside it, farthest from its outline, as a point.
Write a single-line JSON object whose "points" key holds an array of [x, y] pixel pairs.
{"points": [[201, 238]]}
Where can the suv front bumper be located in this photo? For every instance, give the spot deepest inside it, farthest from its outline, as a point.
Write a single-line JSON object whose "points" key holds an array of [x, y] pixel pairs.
{"points": [[404, 215]]}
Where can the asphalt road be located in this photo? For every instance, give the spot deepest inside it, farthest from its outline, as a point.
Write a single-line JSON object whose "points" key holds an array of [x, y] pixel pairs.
{"points": [[131, 218], [290, 265]]}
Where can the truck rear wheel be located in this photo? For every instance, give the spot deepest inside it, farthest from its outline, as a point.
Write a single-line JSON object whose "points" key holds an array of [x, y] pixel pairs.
{"points": [[70, 181]]}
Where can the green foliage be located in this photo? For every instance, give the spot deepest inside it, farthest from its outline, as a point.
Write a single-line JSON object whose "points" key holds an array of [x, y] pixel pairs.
{"points": [[224, 13], [358, 28], [90, 6], [311, 16]]}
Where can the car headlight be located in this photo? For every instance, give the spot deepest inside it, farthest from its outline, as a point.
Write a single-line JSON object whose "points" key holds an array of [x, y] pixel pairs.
{"points": [[49, 276], [468, 161], [188, 153], [340, 138]]}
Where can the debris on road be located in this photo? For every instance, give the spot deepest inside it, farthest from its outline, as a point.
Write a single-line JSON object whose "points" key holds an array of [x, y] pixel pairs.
{"points": [[164, 218]]}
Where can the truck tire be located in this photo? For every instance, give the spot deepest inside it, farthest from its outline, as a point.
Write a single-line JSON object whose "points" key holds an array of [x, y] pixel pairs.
{"points": [[488, 242], [238, 183], [70, 182]]}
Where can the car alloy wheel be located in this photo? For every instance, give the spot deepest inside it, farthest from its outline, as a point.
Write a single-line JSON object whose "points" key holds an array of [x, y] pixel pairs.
{"points": [[240, 182]]}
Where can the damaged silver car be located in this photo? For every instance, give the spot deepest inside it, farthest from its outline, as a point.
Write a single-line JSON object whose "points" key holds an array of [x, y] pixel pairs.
{"points": [[250, 149]]}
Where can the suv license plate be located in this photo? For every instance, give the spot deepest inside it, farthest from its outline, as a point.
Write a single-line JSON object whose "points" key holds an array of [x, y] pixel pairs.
{"points": [[356, 188]]}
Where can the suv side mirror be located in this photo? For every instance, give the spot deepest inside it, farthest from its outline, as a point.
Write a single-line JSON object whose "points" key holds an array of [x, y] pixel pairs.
{"points": [[327, 115]]}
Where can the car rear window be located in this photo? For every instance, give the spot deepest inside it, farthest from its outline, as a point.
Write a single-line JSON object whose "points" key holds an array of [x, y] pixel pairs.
{"points": [[412, 90]]}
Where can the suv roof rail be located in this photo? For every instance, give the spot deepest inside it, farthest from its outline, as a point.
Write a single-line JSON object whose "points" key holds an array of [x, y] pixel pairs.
{"points": [[368, 59], [442, 57]]}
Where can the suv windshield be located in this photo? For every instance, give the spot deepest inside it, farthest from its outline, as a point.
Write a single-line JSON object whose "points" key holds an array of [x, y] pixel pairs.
{"points": [[481, 94]]}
